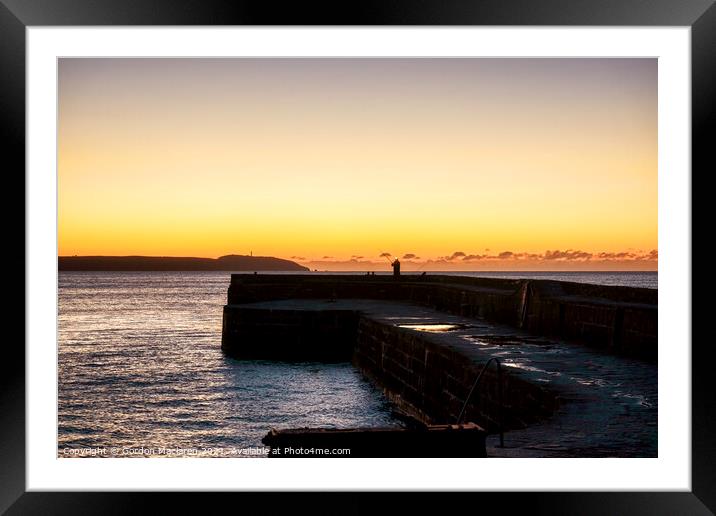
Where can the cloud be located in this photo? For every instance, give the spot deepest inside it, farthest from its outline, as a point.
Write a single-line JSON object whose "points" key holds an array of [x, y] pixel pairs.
{"points": [[527, 256], [569, 254], [505, 255], [353, 264], [356, 257], [617, 256], [299, 258], [639, 256], [410, 256], [471, 257], [327, 257], [453, 256], [386, 255]]}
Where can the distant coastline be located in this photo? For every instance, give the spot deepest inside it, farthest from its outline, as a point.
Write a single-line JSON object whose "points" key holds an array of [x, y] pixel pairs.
{"points": [[230, 262]]}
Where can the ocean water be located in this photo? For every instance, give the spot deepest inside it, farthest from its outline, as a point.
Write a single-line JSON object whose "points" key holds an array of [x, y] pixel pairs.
{"points": [[621, 279], [141, 372]]}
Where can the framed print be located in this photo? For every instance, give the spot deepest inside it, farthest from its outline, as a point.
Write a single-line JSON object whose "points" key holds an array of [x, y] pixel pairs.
{"points": [[409, 249]]}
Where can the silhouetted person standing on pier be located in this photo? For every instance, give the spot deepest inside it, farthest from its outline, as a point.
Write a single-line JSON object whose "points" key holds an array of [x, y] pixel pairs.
{"points": [[396, 268]]}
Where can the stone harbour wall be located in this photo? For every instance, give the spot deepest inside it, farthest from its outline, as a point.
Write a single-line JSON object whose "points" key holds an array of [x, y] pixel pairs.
{"points": [[265, 334], [428, 375], [430, 381], [621, 320]]}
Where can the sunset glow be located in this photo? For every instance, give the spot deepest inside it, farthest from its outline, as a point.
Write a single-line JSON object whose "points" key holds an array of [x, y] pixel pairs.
{"points": [[332, 162]]}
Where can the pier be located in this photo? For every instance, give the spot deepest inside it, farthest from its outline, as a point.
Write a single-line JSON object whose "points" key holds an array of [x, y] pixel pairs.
{"points": [[574, 373]]}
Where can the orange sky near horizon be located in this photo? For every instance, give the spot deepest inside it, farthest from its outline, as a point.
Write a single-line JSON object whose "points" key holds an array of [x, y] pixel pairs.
{"points": [[354, 157]]}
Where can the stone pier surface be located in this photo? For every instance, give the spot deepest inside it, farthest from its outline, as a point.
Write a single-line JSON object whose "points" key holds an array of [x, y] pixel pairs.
{"points": [[622, 320], [559, 397]]}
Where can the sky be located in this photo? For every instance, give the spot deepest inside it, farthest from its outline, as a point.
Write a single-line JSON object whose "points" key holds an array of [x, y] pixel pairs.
{"points": [[447, 164]]}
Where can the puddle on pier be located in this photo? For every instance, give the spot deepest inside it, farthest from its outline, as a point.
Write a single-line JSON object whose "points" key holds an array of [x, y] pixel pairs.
{"points": [[434, 327]]}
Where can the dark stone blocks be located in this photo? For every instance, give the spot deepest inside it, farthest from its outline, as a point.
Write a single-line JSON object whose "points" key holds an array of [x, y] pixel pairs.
{"points": [[621, 320]]}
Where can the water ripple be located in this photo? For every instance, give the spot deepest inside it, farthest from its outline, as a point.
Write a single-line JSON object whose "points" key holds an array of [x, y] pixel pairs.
{"points": [[140, 365]]}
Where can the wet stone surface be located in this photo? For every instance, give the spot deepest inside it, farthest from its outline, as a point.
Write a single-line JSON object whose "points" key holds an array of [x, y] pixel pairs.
{"points": [[434, 327]]}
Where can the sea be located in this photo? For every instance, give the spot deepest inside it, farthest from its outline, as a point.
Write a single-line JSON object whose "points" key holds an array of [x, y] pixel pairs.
{"points": [[141, 372]]}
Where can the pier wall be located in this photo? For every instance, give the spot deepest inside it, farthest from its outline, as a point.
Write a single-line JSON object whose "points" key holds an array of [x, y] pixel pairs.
{"points": [[300, 335], [425, 379], [431, 382], [424, 375], [622, 320]]}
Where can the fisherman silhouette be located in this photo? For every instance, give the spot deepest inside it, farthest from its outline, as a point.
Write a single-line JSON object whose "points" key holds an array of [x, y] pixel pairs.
{"points": [[396, 267]]}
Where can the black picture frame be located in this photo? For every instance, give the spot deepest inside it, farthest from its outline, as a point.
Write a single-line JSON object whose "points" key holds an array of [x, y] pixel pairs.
{"points": [[17, 15]]}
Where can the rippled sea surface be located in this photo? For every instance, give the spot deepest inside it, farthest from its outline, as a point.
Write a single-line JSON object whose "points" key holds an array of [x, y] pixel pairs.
{"points": [[141, 370], [641, 279], [621, 279]]}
